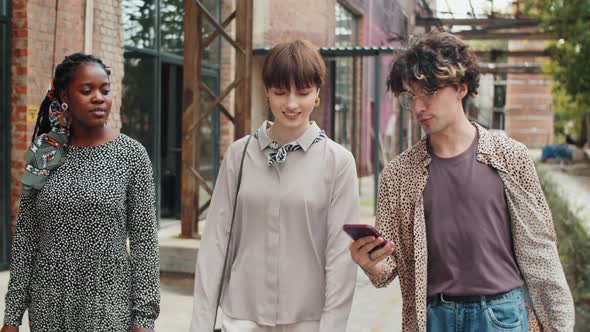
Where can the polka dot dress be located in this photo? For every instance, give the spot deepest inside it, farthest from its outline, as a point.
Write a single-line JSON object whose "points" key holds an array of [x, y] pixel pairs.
{"points": [[71, 266]]}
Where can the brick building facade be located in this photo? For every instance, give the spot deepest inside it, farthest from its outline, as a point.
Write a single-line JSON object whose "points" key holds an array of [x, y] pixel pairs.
{"points": [[42, 36], [144, 51], [142, 42], [529, 102], [43, 32]]}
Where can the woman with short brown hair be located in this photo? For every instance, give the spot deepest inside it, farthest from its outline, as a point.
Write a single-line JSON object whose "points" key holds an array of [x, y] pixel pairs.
{"points": [[288, 267]]}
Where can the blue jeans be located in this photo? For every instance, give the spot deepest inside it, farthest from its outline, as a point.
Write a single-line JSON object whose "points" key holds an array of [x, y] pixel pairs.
{"points": [[506, 312]]}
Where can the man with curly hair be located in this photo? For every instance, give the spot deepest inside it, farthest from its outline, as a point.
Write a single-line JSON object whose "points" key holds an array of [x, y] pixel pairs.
{"points": [[467, 227]]}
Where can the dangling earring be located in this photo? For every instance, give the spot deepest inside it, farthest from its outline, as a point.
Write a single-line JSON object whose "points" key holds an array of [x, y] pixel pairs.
{"points": [[64, 117], [317, 102]]}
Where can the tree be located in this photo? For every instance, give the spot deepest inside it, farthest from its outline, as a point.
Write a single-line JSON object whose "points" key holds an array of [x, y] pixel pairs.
{"points": [[569, 20]]}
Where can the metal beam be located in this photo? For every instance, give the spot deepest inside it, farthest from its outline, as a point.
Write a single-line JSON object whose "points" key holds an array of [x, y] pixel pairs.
{"points": [[335, 52], [494, 53], [485, 35], [517, 22], [222, 108], [243, 95], [218, 26], [376, 122], [193, 114], [533, 68], [191, 106], [215, 33]]}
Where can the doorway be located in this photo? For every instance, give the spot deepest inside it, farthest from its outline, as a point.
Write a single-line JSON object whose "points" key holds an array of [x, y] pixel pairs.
{"points": [[171, 140]]}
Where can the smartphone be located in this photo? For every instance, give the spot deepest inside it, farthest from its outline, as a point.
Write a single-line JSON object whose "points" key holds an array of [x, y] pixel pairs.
{"points": [[357, 231]]}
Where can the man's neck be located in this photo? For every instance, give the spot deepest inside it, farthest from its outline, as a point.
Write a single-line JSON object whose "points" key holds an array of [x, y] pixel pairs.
{"points": [[453, 140]]}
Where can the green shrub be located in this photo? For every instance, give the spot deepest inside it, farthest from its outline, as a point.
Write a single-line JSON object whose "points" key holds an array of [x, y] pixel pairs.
{"points": [[573, 242]]}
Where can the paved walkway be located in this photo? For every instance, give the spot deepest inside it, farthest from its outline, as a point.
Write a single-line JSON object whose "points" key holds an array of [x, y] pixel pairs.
{"points": [[573, 183], [373, 310]]}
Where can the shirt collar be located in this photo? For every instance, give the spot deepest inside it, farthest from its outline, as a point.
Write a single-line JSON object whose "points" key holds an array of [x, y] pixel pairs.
{"points": [[305, 140]]}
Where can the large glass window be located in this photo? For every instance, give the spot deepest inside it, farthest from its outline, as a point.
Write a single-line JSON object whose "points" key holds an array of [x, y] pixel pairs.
{"points": [[5, 211], [151, 111], [138, 108], [139, 23], [172, 26], [346, 36]]}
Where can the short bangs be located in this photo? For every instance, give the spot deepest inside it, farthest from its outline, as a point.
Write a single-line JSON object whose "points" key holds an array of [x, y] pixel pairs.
{"points": [[296, 63]]}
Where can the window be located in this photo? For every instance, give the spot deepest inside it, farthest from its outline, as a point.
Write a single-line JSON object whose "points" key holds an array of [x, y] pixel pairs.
{"points": [[172, 26], [346, 36], [139, 23], [151, 111]]}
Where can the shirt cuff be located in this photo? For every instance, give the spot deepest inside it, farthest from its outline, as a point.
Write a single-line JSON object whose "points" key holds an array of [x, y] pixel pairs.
{"points": [[13, 320], [146, 323]]}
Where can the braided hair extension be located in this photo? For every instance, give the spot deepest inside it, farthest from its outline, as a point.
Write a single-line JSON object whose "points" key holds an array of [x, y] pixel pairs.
{"points": [[64, 73]]}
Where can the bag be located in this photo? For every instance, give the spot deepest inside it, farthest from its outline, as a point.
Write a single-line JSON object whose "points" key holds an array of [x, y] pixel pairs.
{"points": [[231, 228]]}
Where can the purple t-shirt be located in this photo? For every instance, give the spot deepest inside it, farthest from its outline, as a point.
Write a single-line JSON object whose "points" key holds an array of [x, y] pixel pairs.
{"points": [[468, 230]]}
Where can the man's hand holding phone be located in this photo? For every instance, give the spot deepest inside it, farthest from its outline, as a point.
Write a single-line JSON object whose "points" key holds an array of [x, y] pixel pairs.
{"points": [[369, 248]]}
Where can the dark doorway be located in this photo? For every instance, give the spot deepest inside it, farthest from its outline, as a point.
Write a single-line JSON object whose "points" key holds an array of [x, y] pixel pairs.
{"points": [[171, 140]]}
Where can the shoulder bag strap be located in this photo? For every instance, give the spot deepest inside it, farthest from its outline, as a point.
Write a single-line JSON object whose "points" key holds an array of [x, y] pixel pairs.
{"points": [[231, 228]]}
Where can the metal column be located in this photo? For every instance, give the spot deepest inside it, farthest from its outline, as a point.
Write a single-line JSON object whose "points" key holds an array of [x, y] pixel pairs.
{"points": [[193, 87], [376, 122]]}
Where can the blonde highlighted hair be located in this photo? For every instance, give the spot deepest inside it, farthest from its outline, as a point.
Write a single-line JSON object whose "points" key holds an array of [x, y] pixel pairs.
{"points": [[434, 61]]}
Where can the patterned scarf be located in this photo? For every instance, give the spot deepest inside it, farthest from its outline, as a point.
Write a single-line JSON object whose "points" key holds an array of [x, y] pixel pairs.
{"points": [[279, 152], [48, 151]]}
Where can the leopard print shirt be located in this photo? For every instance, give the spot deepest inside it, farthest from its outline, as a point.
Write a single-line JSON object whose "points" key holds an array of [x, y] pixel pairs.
{"points": [[400, 218]]}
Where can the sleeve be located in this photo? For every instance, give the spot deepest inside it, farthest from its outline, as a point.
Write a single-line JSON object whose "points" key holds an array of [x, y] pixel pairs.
{"points": [[536, 250], [384, 224], [24, 249], [143, 242], [213, 245], [340, 268]]}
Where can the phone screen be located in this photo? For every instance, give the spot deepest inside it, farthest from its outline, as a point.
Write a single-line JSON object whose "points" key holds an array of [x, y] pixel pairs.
{"points": [[357, 231]]}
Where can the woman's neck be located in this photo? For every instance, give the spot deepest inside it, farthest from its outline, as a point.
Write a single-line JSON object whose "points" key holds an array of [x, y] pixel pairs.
{"points": [[286, 135], [84, 136]]}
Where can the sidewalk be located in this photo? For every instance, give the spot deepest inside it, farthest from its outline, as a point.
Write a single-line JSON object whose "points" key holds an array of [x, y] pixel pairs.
{"points": [[573, 183]]}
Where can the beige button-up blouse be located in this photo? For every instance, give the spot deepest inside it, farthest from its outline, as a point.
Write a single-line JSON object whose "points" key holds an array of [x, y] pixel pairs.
{"points": [[289, 258]]}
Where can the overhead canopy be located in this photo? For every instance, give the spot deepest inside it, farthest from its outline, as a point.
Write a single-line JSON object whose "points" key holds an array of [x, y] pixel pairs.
{"points": [[333, 52]]}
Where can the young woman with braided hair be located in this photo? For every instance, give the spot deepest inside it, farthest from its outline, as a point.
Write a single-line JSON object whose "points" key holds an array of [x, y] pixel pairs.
{"points": [[86, 190]]}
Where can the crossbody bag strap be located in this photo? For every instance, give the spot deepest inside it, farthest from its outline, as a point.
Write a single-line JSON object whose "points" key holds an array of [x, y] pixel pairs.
{"points": [[231, 228]]}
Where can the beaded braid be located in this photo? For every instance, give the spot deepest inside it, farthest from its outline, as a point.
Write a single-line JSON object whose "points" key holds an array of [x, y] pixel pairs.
{"points": [[64, 73]]}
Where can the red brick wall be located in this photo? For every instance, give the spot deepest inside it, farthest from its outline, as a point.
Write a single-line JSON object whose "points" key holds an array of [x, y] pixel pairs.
{"points": [[529, 102], [107, 44], [309, 19], [38, 45], [20, 128], [529, 110]]}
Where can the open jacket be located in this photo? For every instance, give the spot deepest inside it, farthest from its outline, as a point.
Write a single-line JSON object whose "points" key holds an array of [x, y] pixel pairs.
{"points": [[400, 218]]}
